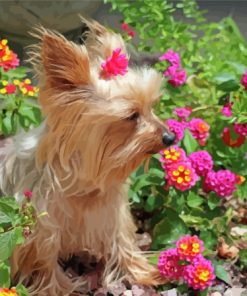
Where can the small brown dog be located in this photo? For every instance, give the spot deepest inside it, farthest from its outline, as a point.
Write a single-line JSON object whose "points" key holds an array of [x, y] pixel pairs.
{"points": [[99, 127]]}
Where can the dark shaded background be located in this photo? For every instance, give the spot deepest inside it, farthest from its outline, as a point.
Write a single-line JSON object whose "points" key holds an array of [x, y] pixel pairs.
{"points": [[17, 17]]}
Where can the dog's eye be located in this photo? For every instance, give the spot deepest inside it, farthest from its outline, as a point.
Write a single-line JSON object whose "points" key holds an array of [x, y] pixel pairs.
{"points": [[134, 116]]}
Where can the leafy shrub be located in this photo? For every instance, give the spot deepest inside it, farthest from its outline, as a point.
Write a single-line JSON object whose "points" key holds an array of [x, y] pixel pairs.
{"points": [[16, 223], [17, 95]]}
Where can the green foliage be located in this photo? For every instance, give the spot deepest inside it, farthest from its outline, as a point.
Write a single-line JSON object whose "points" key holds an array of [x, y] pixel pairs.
{"points": [[14, 220], [18, 107]]}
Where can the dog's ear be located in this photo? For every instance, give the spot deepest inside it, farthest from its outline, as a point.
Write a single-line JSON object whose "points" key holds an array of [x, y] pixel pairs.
{"points": [[65, 64]]}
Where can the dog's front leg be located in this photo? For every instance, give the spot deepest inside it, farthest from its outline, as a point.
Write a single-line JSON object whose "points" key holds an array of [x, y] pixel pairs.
{"points": [[127, 260]]}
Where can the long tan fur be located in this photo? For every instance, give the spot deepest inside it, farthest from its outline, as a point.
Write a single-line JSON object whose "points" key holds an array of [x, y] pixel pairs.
{"points": [[78, 161]]}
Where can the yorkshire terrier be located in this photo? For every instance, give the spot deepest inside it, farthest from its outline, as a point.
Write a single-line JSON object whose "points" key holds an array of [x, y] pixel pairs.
{"points": [[99, 127]]}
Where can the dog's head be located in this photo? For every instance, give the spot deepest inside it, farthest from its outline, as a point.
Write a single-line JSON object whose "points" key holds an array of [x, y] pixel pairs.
{"points": [[97, 125]]}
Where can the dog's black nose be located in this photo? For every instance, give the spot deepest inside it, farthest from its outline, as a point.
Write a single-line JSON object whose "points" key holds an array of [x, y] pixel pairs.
{"points": [[168, 138]]}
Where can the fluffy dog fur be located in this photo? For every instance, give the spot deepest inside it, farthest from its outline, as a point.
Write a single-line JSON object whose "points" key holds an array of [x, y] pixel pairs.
{"points": [[78, 161]]}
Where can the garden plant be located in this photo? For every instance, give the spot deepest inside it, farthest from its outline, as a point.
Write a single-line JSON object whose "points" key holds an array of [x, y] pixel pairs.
{"points": [[192, 198]]}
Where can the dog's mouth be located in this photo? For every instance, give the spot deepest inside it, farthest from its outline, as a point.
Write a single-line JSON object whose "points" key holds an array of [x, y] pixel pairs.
{"points": [[155, 149]]}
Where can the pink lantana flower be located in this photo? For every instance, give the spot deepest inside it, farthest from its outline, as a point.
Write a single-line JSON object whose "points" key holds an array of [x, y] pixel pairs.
{"points": [[240, 128], [172, 155], [168, 265], [116, 64], [28, 194], [199, 130], [189, 247], [181, 176], [183, 113], [227, 109], [223, 182], [177, 128], [202, 162], [199, 274], [172, 57], [178, 79], [244, 80]]}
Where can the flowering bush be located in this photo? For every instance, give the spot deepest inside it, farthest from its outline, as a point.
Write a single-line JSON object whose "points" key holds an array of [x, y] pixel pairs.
{"points": [[197, 186], [17, 94], [186, 263]]}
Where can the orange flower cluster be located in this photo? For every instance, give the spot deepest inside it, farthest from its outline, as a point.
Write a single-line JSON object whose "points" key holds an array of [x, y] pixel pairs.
{"points": [[8, 292], [188, 247]]}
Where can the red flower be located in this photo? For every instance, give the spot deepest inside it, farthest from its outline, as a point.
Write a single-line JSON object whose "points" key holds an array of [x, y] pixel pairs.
{"points": [[229, 141], [125, 27], [189, 247], [115, 65], [8, 59], [28, 194], [131, 33]]}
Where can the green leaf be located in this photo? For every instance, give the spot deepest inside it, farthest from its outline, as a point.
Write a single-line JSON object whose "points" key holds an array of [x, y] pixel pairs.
{"points": [[222, 274], [209, 238], [153, 202], [189, 142], [193, 200], [213, 201], [21, 290], [203, 293], [229, 85], [224, 77], [4, 219], [7, 124], [154, 259], [28, 112], [4, 275], [8, 241], [243, 257], [7, 203], [169, 229]]}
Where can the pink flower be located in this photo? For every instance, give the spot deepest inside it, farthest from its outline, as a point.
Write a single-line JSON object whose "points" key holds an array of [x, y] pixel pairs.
{"points": [[28, 194], [178, 79], [244, 80], [125, 26], [183, 112], [199, 130], [172, 57], [202, 162], [181, 176], [168, 264], [172, 155], [115, 65], [199, 274], [189, 247], [8, 59], [223, 182], [240, 128], [131, 33], [170, 71], [177, 128], [227, 109]]}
